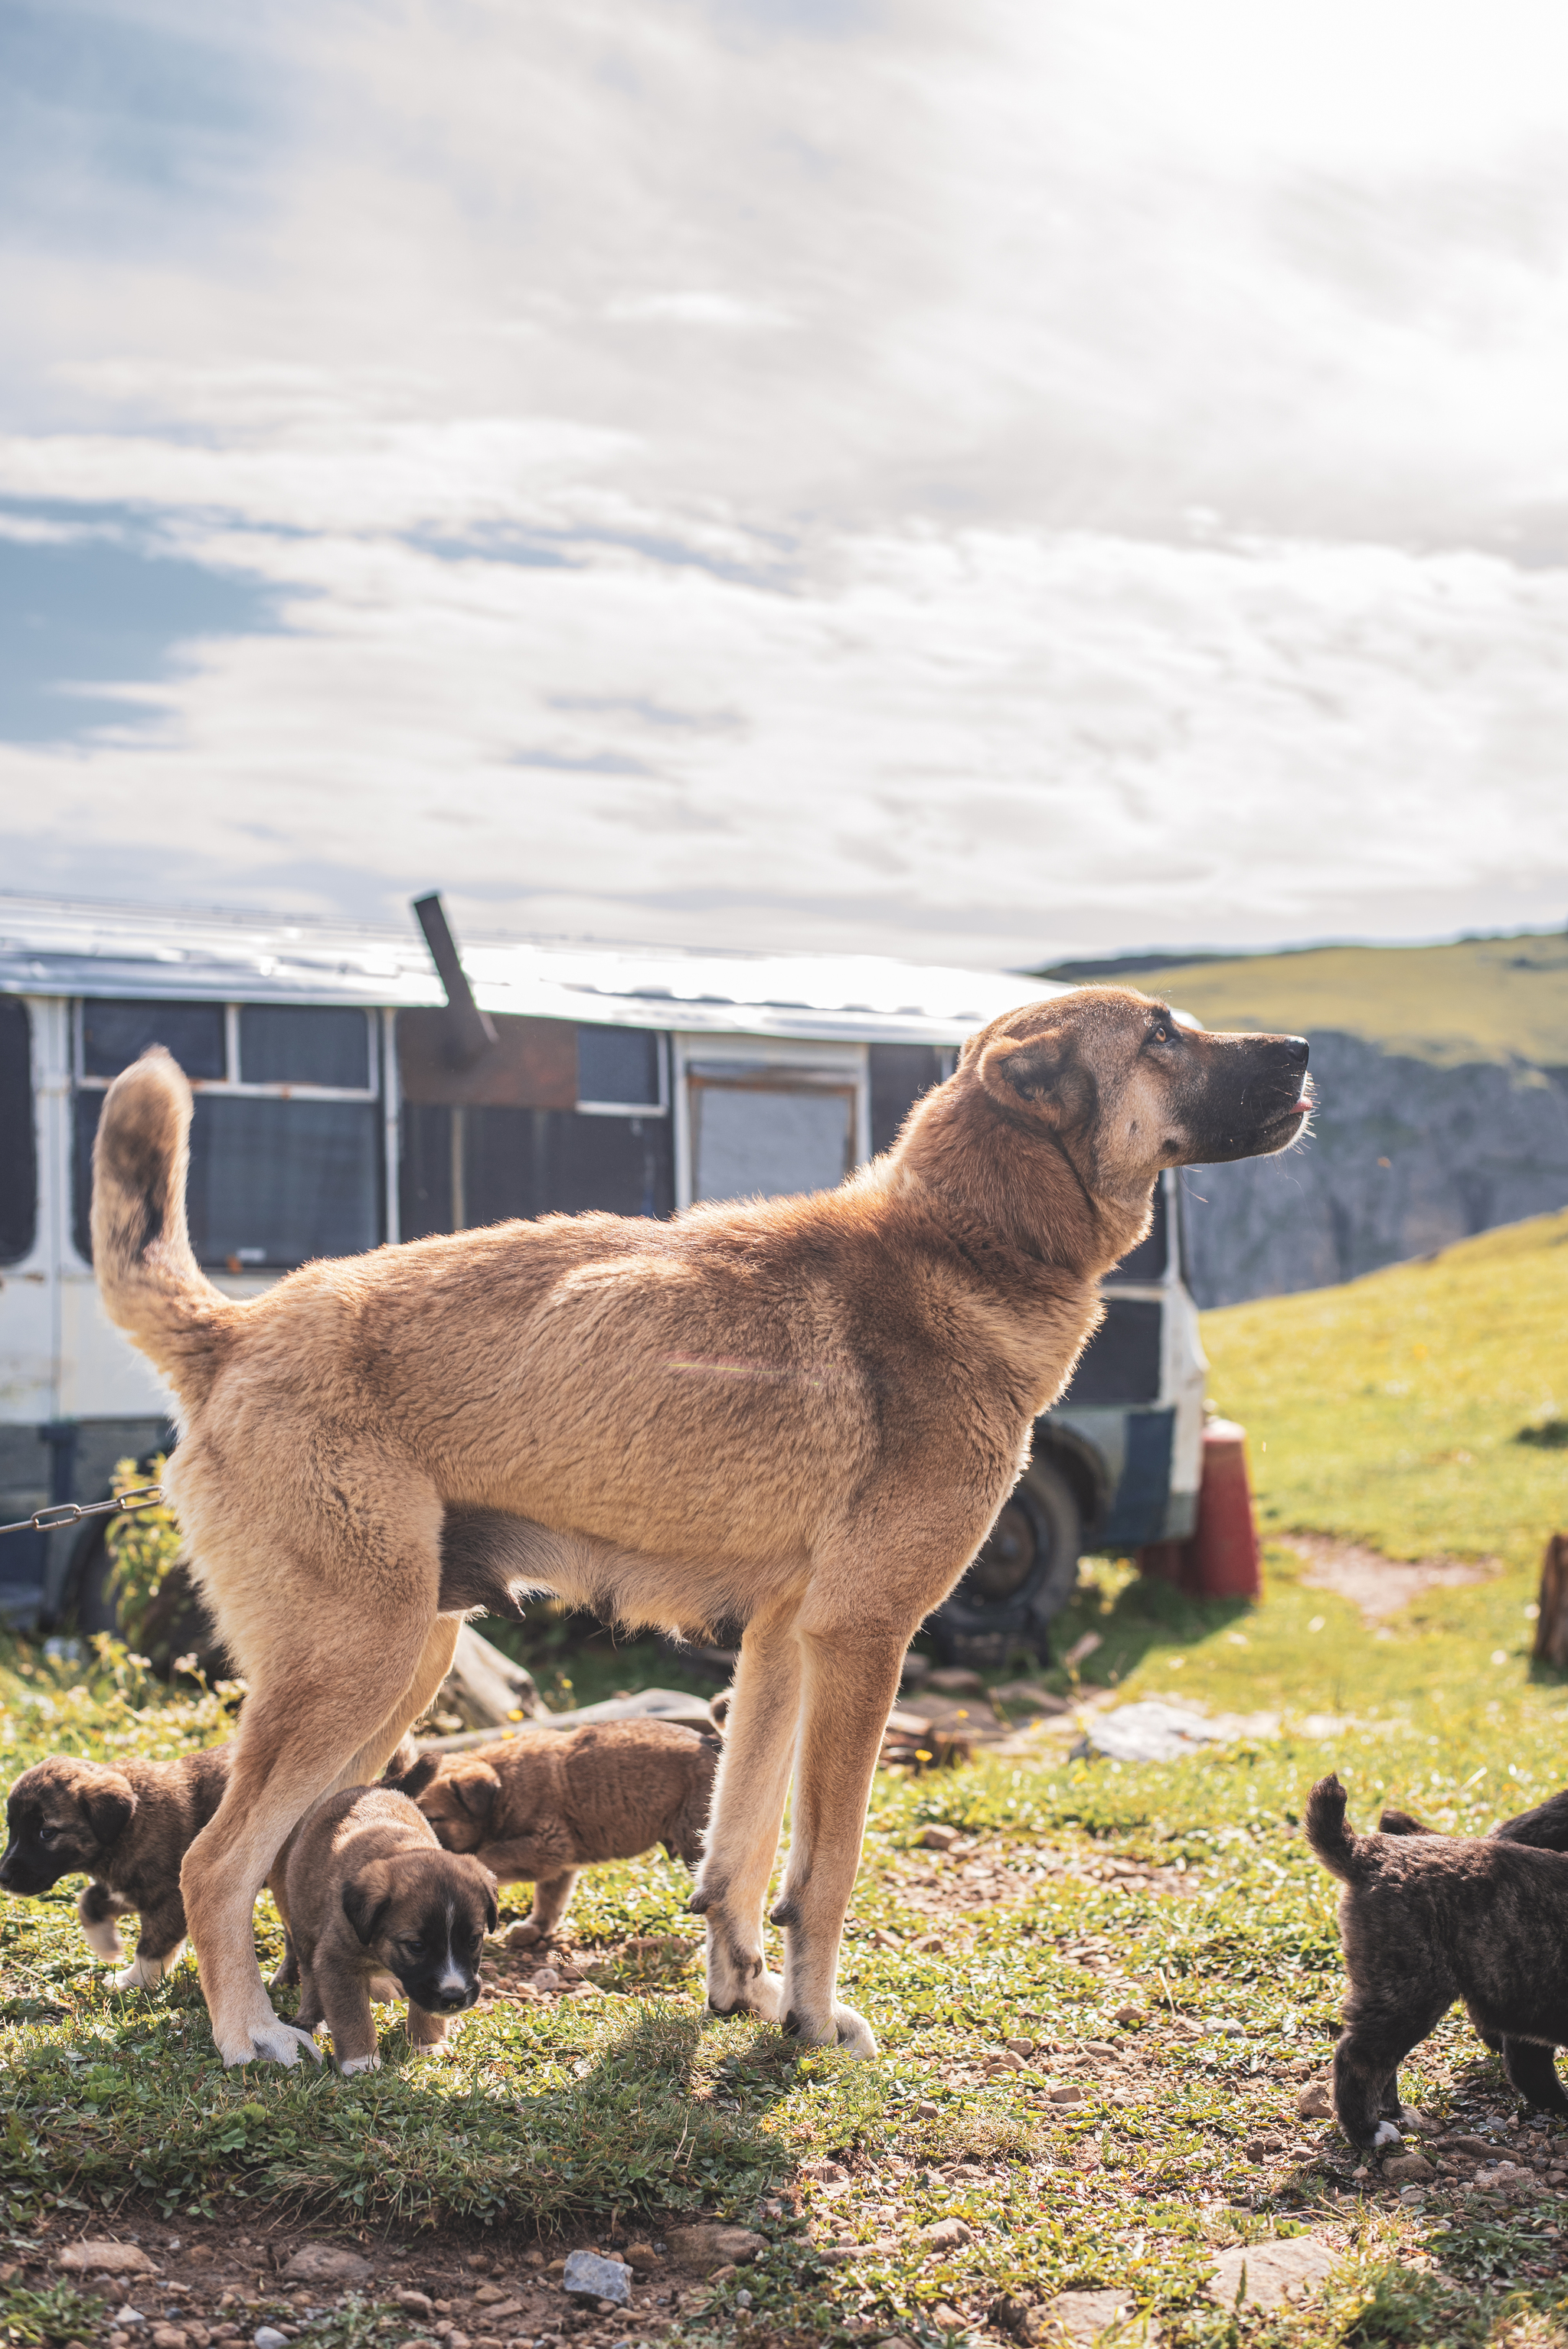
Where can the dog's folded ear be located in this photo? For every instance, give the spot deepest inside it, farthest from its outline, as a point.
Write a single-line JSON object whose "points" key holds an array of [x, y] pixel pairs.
{"points": [[367, 1898], [1042, 1073], [477, 1786], [1402, 1822], [107, 1803], [415, 1779], [492, 1913]]}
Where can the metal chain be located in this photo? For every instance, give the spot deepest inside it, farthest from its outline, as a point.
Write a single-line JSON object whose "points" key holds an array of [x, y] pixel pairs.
{"points": [[71, 1513]]}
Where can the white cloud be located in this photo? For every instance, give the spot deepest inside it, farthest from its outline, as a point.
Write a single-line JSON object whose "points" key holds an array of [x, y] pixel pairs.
{"points": [[980, 481]]}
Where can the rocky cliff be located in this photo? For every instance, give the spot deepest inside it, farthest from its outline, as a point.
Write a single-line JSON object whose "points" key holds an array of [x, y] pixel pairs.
{"points": [[1404, 1157]]}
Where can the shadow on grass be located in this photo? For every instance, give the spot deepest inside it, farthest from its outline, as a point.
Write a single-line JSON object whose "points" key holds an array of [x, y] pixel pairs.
{"points": [[1143, 1614]]}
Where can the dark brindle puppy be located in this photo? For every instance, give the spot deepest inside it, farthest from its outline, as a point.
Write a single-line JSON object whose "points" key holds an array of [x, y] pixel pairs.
{"points": [[1424, 1919], [127, 1829], [537, 1806], [371, 1893], [1545, 1827]]}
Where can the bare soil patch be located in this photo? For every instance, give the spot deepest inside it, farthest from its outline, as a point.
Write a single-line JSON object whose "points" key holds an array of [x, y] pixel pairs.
{"points": [[1381, 1586]]}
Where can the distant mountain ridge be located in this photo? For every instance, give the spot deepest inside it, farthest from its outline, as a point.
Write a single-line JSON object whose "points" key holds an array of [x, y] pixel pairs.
{"points": [[1443, 1083]]}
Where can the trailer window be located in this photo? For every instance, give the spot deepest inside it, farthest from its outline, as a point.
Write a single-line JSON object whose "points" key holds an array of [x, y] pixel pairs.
{"points": [[18, 1146], [114, 1034], [299, 1044], [462, 1168], [766, 1138], [285, 1139], [618, 1068]]}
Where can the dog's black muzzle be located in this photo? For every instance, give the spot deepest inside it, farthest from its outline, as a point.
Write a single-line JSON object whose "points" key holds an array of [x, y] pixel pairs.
{"points": [[26, 1878], [1255, 1102]]}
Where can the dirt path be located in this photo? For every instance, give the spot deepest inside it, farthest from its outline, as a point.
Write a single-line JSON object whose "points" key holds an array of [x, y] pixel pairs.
{"points": [[1380, 1586]]}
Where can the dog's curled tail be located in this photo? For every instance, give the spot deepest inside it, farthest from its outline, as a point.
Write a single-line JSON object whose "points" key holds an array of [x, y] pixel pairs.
{"points": [[150, 1283], [1341, 1852]]}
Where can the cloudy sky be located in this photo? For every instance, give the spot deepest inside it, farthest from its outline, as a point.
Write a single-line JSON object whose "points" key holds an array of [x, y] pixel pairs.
{"points": [[985, 479]]}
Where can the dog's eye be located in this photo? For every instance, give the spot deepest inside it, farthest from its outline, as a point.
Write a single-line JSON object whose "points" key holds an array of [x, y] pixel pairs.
{"points": [[48, 1835]]}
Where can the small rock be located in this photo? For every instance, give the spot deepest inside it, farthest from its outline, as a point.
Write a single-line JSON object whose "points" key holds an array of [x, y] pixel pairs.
{"points": [[1267, 2274], [1130, 2016], [1479, 2148], [520, 1936], [1010, 2314], [946, 2319], [712, 2245], [487, 2293], [92, 2257], [325, 2263], [1080, 2316], [1087, 2155], [644, 2259], [946, 2235], [1407, 2167], [1315, 2102], [1068, 2093], [825, 2173], [1415, 2123], [170, 2336], [417, 2303], [1019, 2046], [547, 1978], [927, 2108], [938, 1838], [268, 2336]]}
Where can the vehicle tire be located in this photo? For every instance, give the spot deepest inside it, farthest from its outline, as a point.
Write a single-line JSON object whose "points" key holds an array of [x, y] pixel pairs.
{"points": [[1023, 1577]]}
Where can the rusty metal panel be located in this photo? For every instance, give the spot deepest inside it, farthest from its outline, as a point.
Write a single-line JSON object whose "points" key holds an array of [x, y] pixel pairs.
{"points": [[532, 1063]]}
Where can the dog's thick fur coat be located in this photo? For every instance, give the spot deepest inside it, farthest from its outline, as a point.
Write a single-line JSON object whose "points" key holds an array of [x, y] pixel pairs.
{"points": [[375, 1904], [1424, 1919], [126, 1826], [804, 1413], [540, 1804]]}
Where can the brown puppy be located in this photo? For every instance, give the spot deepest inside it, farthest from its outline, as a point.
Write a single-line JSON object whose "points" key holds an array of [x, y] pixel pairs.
{"points": [[538, 1805], [371, 1894], [126, 1827], [803, 1413]]}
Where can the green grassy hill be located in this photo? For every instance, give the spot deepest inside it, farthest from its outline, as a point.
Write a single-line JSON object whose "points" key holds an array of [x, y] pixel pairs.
{"points": [[1390, 1409], [1484, 999]]}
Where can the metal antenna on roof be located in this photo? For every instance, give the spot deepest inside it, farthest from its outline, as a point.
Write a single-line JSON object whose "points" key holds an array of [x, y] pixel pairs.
{"points": [[470, 1031]]}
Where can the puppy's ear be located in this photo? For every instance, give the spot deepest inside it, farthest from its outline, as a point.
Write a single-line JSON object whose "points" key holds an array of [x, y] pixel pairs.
{"points": [[403, 1762], [107, 1805], [492, 1914], [1400, 1823], [365, 1900], [415, 1780], [476, 1785], [1042, 1073], [719, 1708]]}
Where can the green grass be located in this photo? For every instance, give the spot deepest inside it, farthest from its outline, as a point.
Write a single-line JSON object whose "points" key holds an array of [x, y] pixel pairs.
{"points": [[1483, 999], [552, 2120]]}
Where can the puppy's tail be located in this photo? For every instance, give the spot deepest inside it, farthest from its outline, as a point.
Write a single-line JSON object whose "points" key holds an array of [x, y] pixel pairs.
{"points": [[1402, 1822], [150, 1283], [1343, 1854]]}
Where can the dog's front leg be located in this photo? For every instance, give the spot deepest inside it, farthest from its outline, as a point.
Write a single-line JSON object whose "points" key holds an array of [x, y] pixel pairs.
{"points": [[850, 1683], [97, 1911], [748, 1812], [551, 1894], [157, 1947], [427, 2032]]}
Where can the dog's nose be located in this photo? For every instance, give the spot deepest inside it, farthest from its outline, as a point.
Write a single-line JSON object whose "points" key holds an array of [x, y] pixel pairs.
{"points": [[1298, 1052]]}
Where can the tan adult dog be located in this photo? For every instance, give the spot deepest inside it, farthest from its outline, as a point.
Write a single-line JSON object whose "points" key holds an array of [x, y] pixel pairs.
{"points": [[801, 1412]]}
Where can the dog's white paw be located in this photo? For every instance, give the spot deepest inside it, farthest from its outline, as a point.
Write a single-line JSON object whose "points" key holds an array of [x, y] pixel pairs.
{"points": [[431, 2047], [1386, 2134], [142, 1973], [359, 2064], [856, 2036], [274, 2042]]}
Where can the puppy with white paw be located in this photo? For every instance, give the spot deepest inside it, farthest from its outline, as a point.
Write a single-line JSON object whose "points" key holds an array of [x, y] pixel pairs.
{"points": [[370, 1893], [1424, 1919], [126, 1828]]}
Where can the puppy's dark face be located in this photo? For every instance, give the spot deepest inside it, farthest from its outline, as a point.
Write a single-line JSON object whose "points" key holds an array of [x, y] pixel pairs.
{"points": [[63, 1817], [458, 1796], [424, 1915]]}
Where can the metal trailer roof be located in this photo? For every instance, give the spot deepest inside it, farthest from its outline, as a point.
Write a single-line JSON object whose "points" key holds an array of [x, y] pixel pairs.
{"points": [[68, 948]]}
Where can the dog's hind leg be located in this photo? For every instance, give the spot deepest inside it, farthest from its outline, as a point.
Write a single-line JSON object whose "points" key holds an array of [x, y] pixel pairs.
{"points": [[435, 1662], [551, 1894], [747, 1813], [851, 1678], [302, 1731], [1532, 2069]]}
